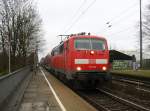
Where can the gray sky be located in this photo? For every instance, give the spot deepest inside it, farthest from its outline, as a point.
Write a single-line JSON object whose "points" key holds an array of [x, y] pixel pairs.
{"points": [[59, 15]]}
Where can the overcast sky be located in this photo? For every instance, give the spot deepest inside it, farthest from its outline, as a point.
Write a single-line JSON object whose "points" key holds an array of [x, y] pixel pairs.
{"points": [[73, 16]]}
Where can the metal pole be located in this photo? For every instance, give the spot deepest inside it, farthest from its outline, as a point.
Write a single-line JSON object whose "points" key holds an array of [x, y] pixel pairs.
{"points": [[141, 53], [9, 54], [34, 67], [36, 57], [37, 54]]}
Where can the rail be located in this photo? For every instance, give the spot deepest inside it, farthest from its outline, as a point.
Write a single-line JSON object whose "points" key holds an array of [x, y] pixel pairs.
{"points": [[124, 101], [107, 101], [10, 82]]}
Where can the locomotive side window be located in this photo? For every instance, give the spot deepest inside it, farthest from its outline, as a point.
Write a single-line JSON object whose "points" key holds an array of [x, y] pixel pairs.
{"points": [[61, 48], [67, 45], [52, 53], [56, 51], [89, 44]]}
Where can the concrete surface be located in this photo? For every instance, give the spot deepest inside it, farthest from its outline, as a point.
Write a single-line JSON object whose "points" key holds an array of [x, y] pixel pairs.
{"points": [[38, 96]]}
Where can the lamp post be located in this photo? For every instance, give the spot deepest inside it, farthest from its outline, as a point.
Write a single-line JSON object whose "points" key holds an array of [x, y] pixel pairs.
{"points": [[36, 54], [9, 56], [141, 49]]}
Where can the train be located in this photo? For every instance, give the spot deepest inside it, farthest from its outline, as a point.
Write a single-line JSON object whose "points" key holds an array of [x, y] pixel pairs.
{"points": [[81, 59]]}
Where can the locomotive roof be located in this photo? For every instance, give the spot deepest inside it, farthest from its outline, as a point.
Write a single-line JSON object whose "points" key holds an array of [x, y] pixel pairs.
{"points": [[85, 36]]}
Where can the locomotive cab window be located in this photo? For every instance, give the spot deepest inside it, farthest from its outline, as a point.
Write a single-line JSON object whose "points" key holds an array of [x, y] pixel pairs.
{"points": [[52, 53], [89, 44], [82, 44], [97, 44]]}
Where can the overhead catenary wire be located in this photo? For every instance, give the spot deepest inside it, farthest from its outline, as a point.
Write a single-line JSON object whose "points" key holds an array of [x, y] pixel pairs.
{"points": [[122, 13], [126, 17], [80, 7], [77, 19], [124, 30], [113, 22], [76, 13]]}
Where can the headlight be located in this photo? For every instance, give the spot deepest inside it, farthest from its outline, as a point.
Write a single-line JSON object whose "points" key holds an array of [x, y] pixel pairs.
{"points": [[78, 68], [104, 68], [92, 52]]}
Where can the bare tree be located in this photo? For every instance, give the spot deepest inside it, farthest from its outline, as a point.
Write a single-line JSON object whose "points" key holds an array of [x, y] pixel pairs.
{"points": [[20, 25], [146, 29]]}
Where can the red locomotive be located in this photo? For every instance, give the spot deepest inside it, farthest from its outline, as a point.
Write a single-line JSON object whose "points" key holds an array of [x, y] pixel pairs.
{"points": [[82, 59]]}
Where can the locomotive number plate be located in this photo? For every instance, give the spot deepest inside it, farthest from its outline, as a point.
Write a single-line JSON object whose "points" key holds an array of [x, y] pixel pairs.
{"points": [[92, 61]]}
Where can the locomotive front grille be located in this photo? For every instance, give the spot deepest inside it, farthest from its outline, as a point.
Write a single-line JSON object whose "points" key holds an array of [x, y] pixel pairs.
{"points": [[83, 75]]}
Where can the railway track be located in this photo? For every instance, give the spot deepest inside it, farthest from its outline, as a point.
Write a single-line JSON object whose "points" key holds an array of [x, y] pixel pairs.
{"points": [[139, 84], [133, 80], [106, 101]]}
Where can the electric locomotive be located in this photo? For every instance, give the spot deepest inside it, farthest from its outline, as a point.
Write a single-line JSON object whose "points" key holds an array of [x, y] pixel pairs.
{"points": [[82, 59]]}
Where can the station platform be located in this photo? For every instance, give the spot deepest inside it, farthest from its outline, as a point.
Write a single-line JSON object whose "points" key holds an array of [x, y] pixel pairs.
{"points": [[134, 73], [38, 96], [46, 93]]}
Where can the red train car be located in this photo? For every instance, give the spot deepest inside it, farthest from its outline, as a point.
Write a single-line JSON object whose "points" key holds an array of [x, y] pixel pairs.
{"points": [[83, 58]]}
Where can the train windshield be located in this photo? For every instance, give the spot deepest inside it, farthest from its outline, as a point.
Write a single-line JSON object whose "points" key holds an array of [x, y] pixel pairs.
{"points": [[89, 44]]}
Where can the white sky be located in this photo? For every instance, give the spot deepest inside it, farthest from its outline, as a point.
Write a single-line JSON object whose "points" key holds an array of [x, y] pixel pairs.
{"points": [[58, 15]]}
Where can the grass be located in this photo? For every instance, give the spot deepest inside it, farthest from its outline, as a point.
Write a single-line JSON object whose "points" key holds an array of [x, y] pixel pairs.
{"points": [[13, 68], [140, 73], [3, 72]]}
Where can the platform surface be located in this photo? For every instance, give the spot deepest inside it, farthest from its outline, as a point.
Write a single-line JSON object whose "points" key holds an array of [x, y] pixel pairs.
{"points": [[47, 93], [38, 96]]}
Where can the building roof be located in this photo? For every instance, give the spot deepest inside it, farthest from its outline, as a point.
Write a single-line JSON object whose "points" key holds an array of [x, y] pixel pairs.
{"points": [[116, 55]]}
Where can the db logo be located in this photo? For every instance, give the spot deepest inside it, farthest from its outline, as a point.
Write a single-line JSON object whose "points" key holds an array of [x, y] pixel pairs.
{"points": [[92, 61]]}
